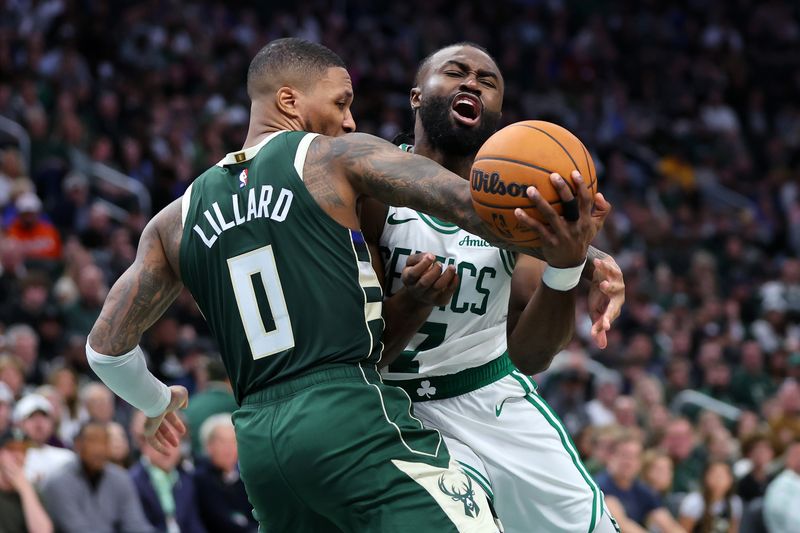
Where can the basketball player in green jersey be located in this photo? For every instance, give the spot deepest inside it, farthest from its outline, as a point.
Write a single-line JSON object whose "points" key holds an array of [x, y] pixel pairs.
{"points": [[266, 242], [460, 307]]}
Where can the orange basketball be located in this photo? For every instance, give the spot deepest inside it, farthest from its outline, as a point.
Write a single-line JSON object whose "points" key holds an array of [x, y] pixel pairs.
{"points": [[516, 157]]}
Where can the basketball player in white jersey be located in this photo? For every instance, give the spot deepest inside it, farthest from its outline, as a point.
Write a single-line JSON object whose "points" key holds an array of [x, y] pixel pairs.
{"points": [[463, 313]]}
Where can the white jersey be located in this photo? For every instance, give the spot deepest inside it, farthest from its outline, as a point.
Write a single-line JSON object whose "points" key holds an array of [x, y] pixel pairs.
{"points": [[471, 330], [463, 383], [455, 369]]}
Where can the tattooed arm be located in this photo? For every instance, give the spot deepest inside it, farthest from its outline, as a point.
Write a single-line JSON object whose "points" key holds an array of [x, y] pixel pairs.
{"points": [[138, 298], [376, 168], [142, 294]]}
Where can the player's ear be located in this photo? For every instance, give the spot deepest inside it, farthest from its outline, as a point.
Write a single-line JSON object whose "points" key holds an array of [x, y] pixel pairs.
{"points": [[287, 100], [415, 98]]}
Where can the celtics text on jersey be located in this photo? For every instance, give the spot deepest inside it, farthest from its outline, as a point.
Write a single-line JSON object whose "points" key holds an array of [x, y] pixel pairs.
{"points": [[451, 340]]}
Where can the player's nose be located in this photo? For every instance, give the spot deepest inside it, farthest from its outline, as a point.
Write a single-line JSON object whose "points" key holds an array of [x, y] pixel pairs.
{"points": [[349, 123], [470, 84]]}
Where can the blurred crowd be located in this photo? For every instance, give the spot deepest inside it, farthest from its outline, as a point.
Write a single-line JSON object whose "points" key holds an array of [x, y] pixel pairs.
{"points": [[688, 108]]}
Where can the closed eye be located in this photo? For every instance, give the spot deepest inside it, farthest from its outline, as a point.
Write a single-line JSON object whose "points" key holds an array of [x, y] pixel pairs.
{"points": [[453, 73]]}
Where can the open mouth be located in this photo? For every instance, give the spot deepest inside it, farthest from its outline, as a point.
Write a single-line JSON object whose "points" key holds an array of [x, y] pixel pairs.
{"points": [[466, 108]]}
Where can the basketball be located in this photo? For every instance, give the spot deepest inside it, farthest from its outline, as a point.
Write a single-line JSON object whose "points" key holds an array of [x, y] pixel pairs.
{"points": [[516, 157]]}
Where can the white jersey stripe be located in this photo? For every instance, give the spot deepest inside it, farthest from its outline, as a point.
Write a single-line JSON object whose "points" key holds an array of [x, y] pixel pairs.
{"points": [[302, 151]]}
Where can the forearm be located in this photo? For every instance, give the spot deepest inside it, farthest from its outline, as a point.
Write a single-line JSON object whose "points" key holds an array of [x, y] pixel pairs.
{"points": [[36, 518], [543, 328], [403, 316], [378, 169]]}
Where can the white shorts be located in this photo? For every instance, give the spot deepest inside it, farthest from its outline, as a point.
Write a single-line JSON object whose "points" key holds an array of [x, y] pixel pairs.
{"points": [[514, 446]]}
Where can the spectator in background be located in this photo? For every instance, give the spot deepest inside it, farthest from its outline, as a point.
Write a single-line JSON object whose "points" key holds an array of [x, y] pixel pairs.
{"points": [[751, 385], [92, 290], [91, 494], [781, 509], [785, 424], [33, 415], [657, 472], [97, 403], [602, 441], [38, 238], [221, 496], [786, 289], [57, 404], [119, 449], [601, 408], [6, 407], [759, 454], [34, 308], [12, 374], [71, 212], [167, 490], [625, 412], [680, 444], [715, 508], [12, 270], [23, 342], [640, 507], [679, 378], [21, 511], [65, 380], [747, 425], [720, 446], [216, 398], [29, 307], [96, 235], [717, 382]]}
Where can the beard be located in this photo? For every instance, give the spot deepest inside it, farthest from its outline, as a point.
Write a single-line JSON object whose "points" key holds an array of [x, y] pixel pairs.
{"points": [[450, 137]]}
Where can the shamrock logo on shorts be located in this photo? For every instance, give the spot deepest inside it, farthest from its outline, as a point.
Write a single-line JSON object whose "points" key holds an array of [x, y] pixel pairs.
{"points": [[425, 389]]}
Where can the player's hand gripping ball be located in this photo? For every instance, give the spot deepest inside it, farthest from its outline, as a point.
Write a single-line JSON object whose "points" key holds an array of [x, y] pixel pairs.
{"points": [[516, 157]]}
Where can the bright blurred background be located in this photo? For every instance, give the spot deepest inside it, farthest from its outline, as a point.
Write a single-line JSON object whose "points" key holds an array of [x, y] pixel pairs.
{"points": [[108, 110]]}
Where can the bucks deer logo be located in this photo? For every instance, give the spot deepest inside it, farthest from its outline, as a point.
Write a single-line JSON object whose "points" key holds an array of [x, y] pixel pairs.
{"points": [[461, 491]]}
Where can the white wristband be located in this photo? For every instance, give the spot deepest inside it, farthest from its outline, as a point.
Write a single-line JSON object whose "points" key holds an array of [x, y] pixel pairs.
{"points": [[128, 377], [563, 279]]}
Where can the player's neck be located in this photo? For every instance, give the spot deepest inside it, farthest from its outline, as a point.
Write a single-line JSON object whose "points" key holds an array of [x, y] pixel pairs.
{"points": [[263, 122], [460, 165]]}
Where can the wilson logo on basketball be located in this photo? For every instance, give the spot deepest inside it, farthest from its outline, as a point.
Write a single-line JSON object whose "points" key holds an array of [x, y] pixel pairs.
{"points": [[492, 183]]}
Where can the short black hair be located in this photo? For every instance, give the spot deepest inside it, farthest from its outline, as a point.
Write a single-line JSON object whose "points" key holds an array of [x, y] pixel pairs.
{"points": [[289, 61], [425, 62], [88, 425]]}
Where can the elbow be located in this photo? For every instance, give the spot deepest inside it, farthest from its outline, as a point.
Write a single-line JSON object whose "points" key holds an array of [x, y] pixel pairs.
{"points": [[532, 358], [529, 361]]}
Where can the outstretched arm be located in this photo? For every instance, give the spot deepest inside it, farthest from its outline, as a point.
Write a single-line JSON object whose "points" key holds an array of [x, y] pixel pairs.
{"points": [[376, 168], [138, 298]]}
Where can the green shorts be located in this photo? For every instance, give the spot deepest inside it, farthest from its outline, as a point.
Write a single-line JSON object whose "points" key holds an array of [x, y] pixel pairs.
{"points": [[337, 450]]}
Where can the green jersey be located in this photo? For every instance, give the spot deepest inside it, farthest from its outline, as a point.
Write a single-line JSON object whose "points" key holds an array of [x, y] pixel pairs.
{"points": [[283, 287]]}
